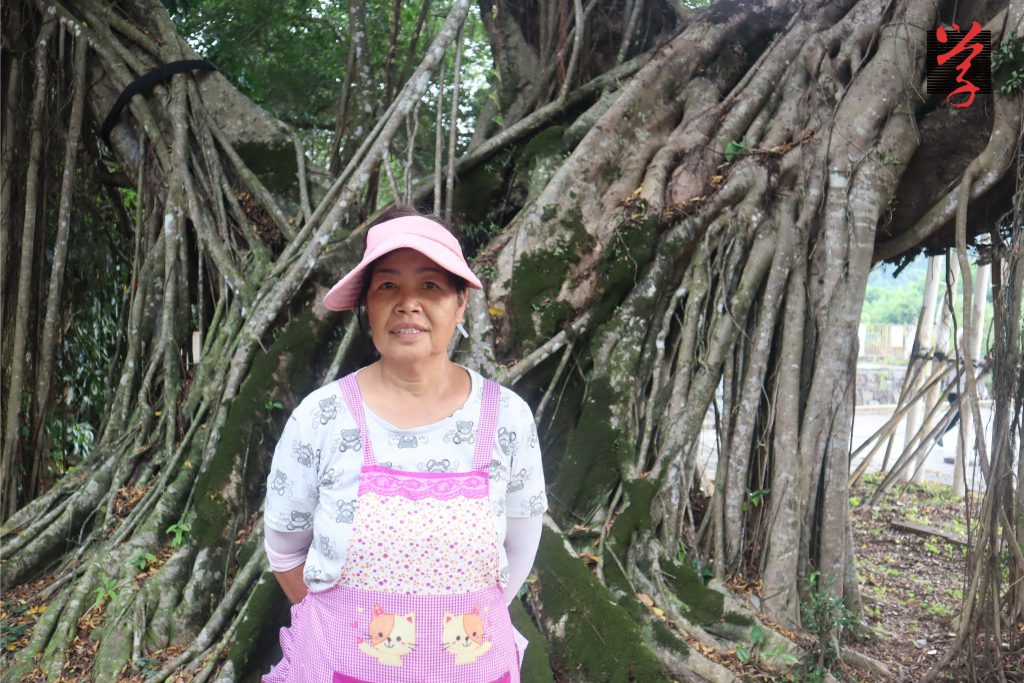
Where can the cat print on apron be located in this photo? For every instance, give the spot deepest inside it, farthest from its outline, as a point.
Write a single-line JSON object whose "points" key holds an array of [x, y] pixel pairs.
{"points": [[419, 599]]}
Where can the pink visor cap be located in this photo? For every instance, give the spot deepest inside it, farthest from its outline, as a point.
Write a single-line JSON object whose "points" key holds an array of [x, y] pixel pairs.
{"points": [[408, 232]]}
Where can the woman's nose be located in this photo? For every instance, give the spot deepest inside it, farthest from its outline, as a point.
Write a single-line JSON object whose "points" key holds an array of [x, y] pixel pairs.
{"points": [[408, 303]]}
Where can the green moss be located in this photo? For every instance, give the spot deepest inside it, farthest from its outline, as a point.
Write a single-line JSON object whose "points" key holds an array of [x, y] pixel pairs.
{"points": [[249, 424], [552, 317], [635, 515], [624, 261], [476, 189], [255, 647], [536, 281], [539, 160], [536, 667], [737, 619], [699, 604], [544, 144], [598, 453], [595, 639]]}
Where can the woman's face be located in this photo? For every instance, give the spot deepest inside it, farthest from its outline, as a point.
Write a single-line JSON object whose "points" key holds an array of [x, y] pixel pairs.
{"points": [[412, 307]]}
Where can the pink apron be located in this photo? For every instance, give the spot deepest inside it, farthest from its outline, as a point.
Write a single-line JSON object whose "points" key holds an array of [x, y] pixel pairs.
{"points": [[418, 599]]}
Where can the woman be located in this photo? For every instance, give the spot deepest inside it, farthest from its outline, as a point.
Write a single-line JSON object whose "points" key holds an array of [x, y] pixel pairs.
{"points": [[404, 500]]}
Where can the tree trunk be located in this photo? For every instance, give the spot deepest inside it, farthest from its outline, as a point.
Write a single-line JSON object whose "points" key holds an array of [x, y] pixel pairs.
{"points": [[693, 234]]}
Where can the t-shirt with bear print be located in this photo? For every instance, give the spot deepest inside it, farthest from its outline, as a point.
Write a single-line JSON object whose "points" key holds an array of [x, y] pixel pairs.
{"points": [[314, 477]]}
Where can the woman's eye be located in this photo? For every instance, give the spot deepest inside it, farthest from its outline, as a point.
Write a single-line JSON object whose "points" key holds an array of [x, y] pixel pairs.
{"points": [[386, 285], [430, 285]]}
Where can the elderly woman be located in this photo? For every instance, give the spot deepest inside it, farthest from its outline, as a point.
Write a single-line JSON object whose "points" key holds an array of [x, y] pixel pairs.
{"points": [[404, 501]]}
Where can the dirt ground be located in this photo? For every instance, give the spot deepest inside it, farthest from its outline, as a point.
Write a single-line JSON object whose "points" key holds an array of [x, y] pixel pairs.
{"points": [[912, 584]]}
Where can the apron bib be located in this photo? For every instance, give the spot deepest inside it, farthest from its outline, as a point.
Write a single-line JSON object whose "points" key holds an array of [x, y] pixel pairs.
{"points": [[418, 599]]}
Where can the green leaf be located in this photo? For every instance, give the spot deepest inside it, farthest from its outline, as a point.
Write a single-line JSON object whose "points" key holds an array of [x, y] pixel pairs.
{"points": [[734, 149]]}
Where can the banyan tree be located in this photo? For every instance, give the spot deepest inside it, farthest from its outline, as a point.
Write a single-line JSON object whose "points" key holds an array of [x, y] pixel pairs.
{"points": [[675, 210]]}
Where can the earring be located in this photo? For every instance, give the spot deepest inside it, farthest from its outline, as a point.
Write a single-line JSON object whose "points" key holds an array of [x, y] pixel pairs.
{"points": [[462, 330]]}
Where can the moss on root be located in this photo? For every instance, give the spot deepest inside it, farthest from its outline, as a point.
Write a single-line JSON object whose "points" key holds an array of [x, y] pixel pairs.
{"points": [[598, 452], [476, 190], [536, 279], [536, 667], [699, 604], [592, 638], [624, 261], [255, 647]]}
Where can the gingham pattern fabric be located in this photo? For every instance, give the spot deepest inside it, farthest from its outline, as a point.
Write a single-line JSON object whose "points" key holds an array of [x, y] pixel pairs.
{"points": [[391, 621]]}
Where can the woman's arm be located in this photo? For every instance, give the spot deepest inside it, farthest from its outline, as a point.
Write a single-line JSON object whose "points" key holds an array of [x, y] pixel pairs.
{"points": [[286, 551], [293, 584], [522, 536]]}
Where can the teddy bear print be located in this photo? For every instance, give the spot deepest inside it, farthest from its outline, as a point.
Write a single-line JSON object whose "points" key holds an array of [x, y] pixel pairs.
{"points": [[327, 410], [518, 481], [444, 465], [330, 479], [404, 440], [280, 483], [498, 470], [312, 574], [305, 454], [507, 442], [461, 433], [327, 548], [300, 521], [534, 507], [499, 507], [346, 512], [350, 441]]}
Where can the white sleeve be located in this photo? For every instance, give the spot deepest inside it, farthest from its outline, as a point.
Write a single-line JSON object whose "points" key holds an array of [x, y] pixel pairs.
{"points": [[286, 549], [522, 537], [293, 484], [525, 496]]}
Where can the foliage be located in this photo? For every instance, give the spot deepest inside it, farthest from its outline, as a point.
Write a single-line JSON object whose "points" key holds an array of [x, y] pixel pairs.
{"points": [[105, 590], [291, 58], [1008, 66], [827, 618], [734, 150], [757, 650], [287, 56], [142, 560], [897, 301], [96, 277], [178, 530]]}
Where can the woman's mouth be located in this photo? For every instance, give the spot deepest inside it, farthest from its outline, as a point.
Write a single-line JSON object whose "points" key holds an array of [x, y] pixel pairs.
{"points": [[407, 330]]}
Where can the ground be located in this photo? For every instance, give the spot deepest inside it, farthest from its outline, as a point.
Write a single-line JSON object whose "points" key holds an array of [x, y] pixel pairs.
{"points": [[912, 584]]}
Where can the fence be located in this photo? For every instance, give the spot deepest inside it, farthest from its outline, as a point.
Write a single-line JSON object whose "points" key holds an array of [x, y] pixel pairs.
{"points": [[885, 342]]}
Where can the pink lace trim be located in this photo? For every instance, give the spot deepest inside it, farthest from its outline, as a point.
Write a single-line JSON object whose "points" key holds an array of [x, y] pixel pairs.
{"points": [[416, 486]]}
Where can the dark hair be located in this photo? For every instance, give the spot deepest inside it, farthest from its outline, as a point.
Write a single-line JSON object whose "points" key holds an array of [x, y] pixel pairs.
{"points": [[400, 211]]}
